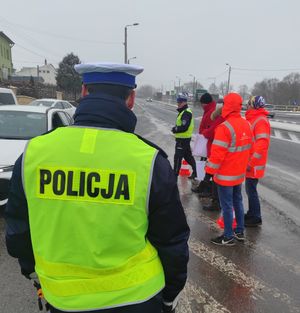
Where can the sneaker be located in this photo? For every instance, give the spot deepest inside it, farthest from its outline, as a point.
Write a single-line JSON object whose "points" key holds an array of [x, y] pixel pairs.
{"points": [[239, 236], [213, 206], [253, 221], [223, 241]]}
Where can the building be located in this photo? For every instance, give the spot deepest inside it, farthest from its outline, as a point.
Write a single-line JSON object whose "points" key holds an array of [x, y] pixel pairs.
{"points": [[6, 66], [47, 72]]}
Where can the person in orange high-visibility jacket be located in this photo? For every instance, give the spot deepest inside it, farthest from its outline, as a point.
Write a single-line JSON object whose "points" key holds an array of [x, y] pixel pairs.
{"points": [[227, 163], [256, 115]]}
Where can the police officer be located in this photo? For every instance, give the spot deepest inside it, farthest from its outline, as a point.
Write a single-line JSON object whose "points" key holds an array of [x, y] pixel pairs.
{"points": [[183, 133], [97, 216]]}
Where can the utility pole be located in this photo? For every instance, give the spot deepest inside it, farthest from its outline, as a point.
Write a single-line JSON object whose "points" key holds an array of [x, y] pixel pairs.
{"points": [[228, 82], [125, 41]]}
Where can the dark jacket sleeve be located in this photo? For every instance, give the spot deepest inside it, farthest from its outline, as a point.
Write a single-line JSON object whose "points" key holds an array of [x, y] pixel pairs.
{"points": [[18, 241], [168, 229], [186, 119]]}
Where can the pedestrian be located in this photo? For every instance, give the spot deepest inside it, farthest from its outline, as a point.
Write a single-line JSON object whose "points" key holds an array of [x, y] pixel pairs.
{"points": [[97, 217], [183, 133], [207, 129], [256, 115], [227, 163]]}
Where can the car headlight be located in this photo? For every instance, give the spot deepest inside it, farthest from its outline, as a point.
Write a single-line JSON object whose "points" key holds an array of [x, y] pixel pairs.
{"points": [[8, 168]]}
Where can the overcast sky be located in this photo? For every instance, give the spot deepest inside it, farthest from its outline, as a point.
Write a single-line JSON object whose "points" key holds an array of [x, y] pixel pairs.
{"points": [[174, 38]]}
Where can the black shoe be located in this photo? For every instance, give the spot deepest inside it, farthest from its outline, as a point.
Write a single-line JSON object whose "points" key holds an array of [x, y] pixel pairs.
{"points": [[253, 221], [223, 241], [205, 189], [239, 236], [213, 206]]}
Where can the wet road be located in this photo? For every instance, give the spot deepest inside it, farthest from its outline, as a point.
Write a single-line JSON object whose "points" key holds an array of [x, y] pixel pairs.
{"points": [[260, 275]]}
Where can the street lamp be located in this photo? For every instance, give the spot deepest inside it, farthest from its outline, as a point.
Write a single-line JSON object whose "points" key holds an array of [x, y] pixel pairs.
{"points": [[178, 83], [194, 79], [125, 41], [131, 59], [229, 72]]}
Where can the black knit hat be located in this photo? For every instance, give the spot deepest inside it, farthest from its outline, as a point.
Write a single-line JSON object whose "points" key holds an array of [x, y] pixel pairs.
{"points": [[206, 98]]}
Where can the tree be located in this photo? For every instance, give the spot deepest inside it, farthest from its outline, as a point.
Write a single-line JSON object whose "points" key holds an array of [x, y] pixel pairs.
{"points": [[213, 88], [145, 91], [67, 78], [244, 92]]}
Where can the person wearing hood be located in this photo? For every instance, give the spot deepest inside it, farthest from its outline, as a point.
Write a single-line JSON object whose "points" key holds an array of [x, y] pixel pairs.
{"points": [[183, 133], [101, 225], [207, 129], [256, 115], [227, 164]]}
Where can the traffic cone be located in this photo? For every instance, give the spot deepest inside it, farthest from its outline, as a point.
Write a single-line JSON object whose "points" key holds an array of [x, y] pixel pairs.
{"points": [[184, 170], [220, 220]]}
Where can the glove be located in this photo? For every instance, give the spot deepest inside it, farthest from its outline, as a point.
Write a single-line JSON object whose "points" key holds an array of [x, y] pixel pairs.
{"points": [[207, 177], [174, 129], [167, 308]]}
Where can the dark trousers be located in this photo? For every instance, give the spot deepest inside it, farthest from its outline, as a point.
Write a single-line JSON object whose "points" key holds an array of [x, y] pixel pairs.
{"points": [[154, 305], [183, 151], [253, 199]]}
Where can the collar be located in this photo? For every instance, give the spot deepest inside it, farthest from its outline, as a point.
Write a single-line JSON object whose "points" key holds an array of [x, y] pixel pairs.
{"points": [[182, 109], [102, 110]]}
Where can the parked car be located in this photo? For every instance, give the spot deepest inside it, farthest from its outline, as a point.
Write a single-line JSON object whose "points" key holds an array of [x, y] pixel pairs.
{"points": [[271, 109], [7, 96], [149, 99], [55, 103], [18, 124]]}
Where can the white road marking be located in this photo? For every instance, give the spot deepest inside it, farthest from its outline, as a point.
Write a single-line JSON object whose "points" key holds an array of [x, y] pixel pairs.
{"points": [[193, 293], [230, 269]]}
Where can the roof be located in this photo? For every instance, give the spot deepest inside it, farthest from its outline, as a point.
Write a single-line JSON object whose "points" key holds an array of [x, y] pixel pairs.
{"points": [[23, 108], [7, 38]]}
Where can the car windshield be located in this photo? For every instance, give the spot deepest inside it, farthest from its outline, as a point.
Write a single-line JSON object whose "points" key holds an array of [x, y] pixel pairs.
{"points": [[44, 103], [6, 98], [21, 125], [269, 106]]}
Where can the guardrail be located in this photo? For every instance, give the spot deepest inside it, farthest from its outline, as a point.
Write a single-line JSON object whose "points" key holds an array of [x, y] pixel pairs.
{"points": [[292, 108]]}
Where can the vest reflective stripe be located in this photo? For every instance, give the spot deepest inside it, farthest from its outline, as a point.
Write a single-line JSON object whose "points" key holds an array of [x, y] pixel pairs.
{"points": [[257, 120], [220, 143], [82, 267], [239, 148], [213, 165], [257, 155], [188, 133], [262, 135], [229, 177], [260, 167], [232, 133]]}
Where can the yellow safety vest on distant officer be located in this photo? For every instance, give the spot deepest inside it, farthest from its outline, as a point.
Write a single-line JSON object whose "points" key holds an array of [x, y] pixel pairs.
{"points": [[87, 191], [188, 133]]}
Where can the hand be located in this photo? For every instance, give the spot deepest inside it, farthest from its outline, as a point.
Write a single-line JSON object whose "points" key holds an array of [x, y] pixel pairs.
{"points": [[168, 308], [174, 129]]}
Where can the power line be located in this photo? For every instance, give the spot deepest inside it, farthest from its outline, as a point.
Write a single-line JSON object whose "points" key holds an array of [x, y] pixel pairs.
{"points": [[43, 32], [265, 70]]}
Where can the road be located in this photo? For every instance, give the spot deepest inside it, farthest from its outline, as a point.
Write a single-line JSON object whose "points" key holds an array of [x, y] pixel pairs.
{"points": [[261, 275]]}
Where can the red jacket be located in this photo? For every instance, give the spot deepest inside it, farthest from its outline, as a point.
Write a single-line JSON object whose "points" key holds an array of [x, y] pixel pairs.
{"points": [[231, 146], [207, 126], [261, 129]]}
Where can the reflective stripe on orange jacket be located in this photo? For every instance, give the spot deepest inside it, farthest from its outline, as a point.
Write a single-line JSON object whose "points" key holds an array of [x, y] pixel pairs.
{"points": [[261, 129], [230, 151]]}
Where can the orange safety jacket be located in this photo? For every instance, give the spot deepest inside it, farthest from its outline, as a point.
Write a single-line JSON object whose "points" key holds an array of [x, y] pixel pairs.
{"points": [[231, 146], [261, 129]]}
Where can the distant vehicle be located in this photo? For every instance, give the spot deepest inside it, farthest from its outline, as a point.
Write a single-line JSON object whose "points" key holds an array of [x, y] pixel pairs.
{"points": [[271, 109], [7, 96], [149, 99], [55, 103], [18, 124]]}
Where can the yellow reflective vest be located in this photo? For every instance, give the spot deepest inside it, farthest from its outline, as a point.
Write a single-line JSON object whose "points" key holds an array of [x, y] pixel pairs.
{"points": [[188, 133], [87, 191]]}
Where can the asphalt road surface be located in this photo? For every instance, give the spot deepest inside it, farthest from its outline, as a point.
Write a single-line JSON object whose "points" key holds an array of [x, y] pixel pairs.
{"points": [[260, 275]]}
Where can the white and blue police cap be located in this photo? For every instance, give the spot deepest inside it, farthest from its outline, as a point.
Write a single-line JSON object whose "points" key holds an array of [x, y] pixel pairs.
{"points": [[182, 97], [109, 73]]}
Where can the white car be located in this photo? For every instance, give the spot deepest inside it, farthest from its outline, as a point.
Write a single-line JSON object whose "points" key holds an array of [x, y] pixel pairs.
{"points": [[18, 124], [7, 97], [55, 103]]}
